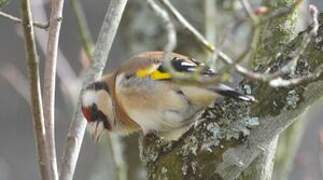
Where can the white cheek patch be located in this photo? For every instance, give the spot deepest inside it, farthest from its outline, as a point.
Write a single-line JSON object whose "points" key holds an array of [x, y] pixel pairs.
{"points": [[89, 97], [118, 80]]}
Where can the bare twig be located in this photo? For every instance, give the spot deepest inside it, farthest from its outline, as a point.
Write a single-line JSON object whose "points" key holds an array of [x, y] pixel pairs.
{"points": [[217, 53], [210, 20], [170, 28], [281, 12], [65, 72], [115, 145], [18, 20], [257, 21], [291, 66], [238, 158], [50, 81], [35, 92], [254, 32], [83, 27], [247, 6], [274, 79], [186, 24], [100, 55], [270, 126], [210, 28]]}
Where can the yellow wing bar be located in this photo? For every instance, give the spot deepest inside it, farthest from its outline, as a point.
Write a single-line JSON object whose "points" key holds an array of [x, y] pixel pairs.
{"points": [[153, 73]]}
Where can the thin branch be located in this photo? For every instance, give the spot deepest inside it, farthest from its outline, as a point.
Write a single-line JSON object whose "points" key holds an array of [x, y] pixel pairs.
{"points": [[83, 27], [238, 158], [274, 79], [18, 20], [247, 6], [210, 15], [170, 31], [50, 81], [187, 25], [256, 20], [254, 32], [115, 144], [35, 92], [280, 82], [170, 28], [281, 12], [261, 136], [217, 53], [65, 72], [100, 56]]}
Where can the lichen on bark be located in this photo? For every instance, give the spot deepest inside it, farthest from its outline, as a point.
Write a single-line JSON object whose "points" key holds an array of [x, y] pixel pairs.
{"points": [[217, 129], [219, 146]]}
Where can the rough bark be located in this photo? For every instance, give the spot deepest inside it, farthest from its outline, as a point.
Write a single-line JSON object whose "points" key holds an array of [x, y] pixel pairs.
{"points": [[55, 22], [227, 138], [272, 38], [35, 91]]}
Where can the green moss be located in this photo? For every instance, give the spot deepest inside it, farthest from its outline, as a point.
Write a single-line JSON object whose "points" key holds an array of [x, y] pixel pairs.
{"points": [[168, 167], [274, 34], [225, 125]]}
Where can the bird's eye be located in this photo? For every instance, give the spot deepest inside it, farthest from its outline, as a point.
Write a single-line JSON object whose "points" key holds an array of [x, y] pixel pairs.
{"points": [[128, 75], [90, 113], [93, 114], [99, 116], [94, 110]]}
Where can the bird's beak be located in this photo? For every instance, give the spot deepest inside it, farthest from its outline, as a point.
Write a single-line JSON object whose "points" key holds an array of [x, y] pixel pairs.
{"points": [[96, 129]]}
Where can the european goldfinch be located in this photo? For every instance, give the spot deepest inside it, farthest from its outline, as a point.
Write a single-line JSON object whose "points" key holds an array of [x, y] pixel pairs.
{"points": [[142, 95]]}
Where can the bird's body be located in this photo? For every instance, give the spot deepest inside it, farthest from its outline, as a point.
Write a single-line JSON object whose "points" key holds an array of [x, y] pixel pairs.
{"points": [[142, 95]]}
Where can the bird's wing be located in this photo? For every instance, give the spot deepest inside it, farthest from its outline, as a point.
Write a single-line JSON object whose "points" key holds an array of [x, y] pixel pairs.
{"points": [[151, 65], [227, 91], [161, 70]]}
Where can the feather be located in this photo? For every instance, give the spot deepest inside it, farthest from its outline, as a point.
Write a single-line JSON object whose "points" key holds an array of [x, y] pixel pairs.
{"points": [[227, 91]]}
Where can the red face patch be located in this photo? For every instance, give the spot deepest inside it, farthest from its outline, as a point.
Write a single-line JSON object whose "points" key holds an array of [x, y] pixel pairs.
{"points": [[87, 113], [92, 114]]}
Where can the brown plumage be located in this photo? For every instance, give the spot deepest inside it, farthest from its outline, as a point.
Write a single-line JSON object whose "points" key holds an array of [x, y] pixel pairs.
{"points": [[141, 95]]}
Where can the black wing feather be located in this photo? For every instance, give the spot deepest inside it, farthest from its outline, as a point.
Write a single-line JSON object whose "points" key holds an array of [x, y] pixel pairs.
{"points": [[225, 90], [185, 66]]}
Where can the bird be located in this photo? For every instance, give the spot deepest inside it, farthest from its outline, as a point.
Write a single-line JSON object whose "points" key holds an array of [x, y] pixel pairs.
{"points": [[143, 94]]}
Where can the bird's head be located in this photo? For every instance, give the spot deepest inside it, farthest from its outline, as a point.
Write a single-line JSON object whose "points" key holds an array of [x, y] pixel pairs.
{"points": [[97, 108]]}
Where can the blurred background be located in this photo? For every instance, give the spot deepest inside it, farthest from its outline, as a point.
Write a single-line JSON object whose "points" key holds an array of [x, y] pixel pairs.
{"points": [[140, 30]]}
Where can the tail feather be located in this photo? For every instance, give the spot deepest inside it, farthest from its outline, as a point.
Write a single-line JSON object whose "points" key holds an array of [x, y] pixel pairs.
{"points": [[227, 91]]}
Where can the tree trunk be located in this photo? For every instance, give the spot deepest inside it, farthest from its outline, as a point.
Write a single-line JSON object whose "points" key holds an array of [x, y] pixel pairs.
{"points": [[237, 139]]}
